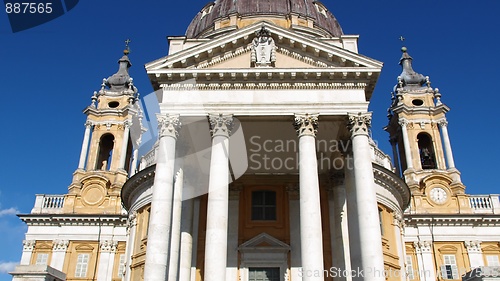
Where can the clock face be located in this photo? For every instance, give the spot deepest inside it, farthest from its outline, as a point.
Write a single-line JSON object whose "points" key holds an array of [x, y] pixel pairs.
{"points": [[438, 195]]}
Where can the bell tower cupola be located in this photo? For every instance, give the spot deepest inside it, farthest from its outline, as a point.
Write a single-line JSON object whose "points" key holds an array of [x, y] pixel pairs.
{"points": [[110, 145], [418, 132]]}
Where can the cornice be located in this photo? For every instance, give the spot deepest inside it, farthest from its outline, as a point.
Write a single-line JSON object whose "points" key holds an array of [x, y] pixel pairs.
{"points": [[142, 178], [433, 111], [243, 36], [74, 220], [264, 85], [393, 184], [452, 219]]}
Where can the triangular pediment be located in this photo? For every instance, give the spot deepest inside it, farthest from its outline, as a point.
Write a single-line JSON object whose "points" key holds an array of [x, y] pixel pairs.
{"points": [[263, 241], [293, 50]]}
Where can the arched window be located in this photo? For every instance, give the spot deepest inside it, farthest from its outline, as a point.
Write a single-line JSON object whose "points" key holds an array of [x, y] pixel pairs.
{"points": [[106, 145], [426, 150]]}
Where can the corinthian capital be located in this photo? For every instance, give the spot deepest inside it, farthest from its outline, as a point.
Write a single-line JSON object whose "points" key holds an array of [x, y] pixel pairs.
{"points": [[60, 245], [359, 123], [220, 124], [29, 245], [168, 125], [108, 245], [403, 122], [306, 124], [443, 123]]}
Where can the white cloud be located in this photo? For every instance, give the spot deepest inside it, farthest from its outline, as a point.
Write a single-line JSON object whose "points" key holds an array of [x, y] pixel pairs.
{"points": [[6, 267], [10, 211]]}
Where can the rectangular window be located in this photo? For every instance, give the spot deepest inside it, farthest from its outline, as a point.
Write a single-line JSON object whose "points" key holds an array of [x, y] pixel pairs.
{"points": [[82, 264], [264, 274], [449, 269], [492, 260], [264, 205], [121, 265], [409, 268], [41, 259], [381, 221]]}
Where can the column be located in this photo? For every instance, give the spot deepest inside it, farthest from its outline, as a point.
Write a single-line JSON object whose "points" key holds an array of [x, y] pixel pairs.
{"points": [[338, 223], [129, 250], [311, 234], [158, 247], [85, 145], [106, 260], [218, 195], [398, 223], [475, 253], [395, 154], [58, 254], [123, 152], [447, 145], [133, 167], [365, 201], [425, 260], [175, 242], [232, 240], [294, 210], [186, 252], [28, 247], [354, 254], [406, 142]]}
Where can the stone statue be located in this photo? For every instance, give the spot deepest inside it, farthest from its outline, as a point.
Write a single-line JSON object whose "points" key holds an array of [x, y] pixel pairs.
{"points": [[263, 49]]}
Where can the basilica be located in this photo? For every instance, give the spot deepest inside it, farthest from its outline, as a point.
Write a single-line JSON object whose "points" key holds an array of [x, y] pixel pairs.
{"points": [[262, 166]]}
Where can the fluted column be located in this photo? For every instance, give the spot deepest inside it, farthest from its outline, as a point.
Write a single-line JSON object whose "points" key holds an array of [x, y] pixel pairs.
{"points": [[311, 235], [123, 152], [365, 201], [85, 145], [158, 247], [406, 142], [447, 145], [218, 199]]}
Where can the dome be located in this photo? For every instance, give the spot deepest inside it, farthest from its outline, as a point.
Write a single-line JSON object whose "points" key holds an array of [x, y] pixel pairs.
{"points": [[301, 14]]}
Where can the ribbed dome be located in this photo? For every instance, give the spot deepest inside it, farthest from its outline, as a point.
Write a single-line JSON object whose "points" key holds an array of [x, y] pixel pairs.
{"points": [[311, 10]]}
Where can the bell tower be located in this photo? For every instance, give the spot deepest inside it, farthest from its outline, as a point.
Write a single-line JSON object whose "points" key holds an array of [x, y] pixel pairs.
{"points": [[419, 137], [109, 151]]}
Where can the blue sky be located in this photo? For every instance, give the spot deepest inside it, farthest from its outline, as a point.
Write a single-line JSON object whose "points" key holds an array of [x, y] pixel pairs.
{"points": [[49, 73]]}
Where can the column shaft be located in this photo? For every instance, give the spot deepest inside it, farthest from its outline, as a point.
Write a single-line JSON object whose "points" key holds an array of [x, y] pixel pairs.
{"points": [[85, 146], [218, 197], [395, 154], [158, 247], [406, 143], [365, 201], [133, 167], [311, 234], [176, 226], [129, 250], [186, 252], [123, 152], [447, 145]]}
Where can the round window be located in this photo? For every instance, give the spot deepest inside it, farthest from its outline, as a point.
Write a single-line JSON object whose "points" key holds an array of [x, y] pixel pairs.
{"points": [[417, 102], [113, 104]]}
